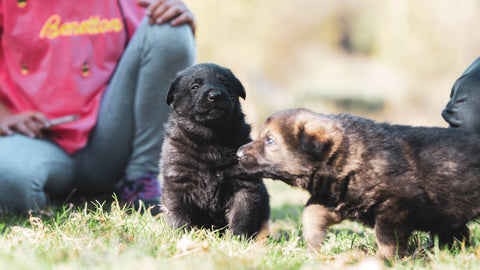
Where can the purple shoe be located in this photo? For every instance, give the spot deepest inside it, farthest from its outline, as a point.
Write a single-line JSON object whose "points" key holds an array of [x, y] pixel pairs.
{"points": [[145, 188]]}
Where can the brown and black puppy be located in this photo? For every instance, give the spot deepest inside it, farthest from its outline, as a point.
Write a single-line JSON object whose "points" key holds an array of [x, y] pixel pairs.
{"points": [[198, 161], [393, 178]]}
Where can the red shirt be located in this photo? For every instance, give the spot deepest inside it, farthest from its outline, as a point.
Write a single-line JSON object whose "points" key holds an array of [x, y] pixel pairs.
{"points": [[57, 57]]}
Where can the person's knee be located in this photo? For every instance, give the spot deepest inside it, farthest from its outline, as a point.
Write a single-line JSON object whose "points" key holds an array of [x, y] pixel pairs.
{"points": [[174, 44], [463, 109], [27, 166], [21, 189]]}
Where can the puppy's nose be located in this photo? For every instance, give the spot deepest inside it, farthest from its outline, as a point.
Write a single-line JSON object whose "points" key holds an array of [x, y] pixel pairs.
{"points": [[214, 95], [240, 152]]}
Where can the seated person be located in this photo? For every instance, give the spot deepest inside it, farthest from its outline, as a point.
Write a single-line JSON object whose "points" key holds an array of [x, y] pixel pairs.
{"points": [[104, 62]]}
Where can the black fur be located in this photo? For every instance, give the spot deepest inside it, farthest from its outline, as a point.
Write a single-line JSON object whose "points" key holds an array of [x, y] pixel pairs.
{"points": [[198, 161]]}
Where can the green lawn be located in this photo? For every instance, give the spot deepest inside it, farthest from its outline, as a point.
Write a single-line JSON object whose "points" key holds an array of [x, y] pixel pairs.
{"points": [[80, 237]]}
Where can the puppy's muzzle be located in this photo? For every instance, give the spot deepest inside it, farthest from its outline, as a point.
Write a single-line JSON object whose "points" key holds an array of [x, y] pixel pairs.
{"points": [[240, 152], [245, 157], [214, 95]]}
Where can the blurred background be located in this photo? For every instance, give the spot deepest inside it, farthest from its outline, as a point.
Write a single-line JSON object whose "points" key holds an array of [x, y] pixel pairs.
{"points": [[390, 60]]}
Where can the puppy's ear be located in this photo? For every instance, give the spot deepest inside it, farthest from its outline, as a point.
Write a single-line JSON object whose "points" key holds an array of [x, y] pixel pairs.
{"points": [[237, 85], [173, 86], [240, 89], [314, 139]]}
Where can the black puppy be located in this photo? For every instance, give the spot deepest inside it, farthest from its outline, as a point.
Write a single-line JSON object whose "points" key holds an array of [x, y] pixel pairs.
{"points": [[198, 161]]}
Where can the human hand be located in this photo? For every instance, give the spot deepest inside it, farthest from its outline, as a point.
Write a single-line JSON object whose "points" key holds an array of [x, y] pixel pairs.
{"points": [[31, 124], [175, 11]]}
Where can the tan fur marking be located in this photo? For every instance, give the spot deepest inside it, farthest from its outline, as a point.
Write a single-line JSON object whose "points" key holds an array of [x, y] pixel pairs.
{"points": [[263, 234], [324, 131], [278, 153], [386, 251], [316, 219]]}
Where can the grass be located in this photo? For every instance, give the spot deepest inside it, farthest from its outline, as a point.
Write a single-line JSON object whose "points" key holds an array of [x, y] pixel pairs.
{"points": [[103, 236]]}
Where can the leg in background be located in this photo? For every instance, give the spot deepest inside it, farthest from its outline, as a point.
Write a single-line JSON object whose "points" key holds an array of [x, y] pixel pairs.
{"points": [[31, 168], [127, 139]]}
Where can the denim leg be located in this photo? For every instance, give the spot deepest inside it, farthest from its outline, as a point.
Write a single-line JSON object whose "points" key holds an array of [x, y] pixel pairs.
{"points": [[129, 131], [463, 109], [166, 51], [29, 168]]}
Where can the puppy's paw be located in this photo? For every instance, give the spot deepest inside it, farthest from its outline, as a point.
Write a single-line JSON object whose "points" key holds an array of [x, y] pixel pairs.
{"points": [[316, 219]]}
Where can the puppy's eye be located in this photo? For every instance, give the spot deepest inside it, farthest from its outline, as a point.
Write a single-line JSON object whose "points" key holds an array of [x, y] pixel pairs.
{"points": [[268, 141], [224, 82], [196, 84]]}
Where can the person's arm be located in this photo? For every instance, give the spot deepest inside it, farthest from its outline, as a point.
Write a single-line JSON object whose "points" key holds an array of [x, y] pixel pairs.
{"points": [[175, 11], [31, 124]]}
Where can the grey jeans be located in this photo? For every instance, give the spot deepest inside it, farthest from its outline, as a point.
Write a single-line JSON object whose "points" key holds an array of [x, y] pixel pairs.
{"points": [[128, 135], [463, 109]]}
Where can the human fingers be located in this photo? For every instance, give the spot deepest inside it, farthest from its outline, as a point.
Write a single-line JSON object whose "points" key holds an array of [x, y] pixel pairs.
{"points": [[32, 124], [154, 9], [29, 124], [175, 11], [21, 126], [157, 10], [5, 130], [40, 119], [35, 128], [143, 3], [185, 18], [170, 10]]}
